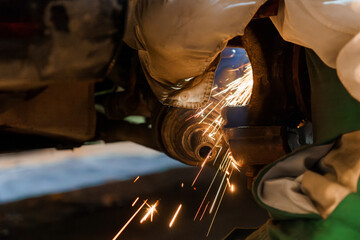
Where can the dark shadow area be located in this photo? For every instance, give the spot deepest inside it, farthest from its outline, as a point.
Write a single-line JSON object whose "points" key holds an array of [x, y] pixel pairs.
{"points": [[99, 212]]}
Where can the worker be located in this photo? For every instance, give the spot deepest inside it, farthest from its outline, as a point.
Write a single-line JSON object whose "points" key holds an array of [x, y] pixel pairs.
{"points": [[311, 193]]}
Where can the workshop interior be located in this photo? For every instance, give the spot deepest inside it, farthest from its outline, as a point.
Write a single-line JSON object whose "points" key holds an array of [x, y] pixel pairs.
{"points": [[258, 138]]}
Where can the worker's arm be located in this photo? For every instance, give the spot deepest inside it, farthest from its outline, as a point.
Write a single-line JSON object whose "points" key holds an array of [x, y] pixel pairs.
{"points": [[331, 28]]}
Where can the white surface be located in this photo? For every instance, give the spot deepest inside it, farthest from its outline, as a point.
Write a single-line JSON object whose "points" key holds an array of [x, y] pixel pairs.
{"points": [[331, 28], [36, 173]]}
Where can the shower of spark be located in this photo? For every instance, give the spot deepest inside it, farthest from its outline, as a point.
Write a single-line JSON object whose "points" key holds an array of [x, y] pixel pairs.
{"points": [[237, 92], [202, 215]]}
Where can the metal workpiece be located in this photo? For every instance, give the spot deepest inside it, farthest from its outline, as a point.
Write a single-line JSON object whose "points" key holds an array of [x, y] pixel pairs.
{"points": [[256, 145], [59, 111], [111, 131], [186, 139], [253, 147], [258, 133]]}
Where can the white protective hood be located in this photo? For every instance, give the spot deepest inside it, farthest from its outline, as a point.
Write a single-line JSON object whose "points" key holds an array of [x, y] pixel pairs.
{"points": [[178, 40]]}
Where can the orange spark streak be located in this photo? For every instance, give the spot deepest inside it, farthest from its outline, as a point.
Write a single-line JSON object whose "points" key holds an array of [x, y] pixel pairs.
{"points": [[202, 215], [175, 215], [212, 222], [150, 212], [199, 112], [133, 204], [228, 182], [136, 179], [221, 184], [234, 165], [202, 166], [207, 157], [237, 92], [126, 224], [207, 192]]}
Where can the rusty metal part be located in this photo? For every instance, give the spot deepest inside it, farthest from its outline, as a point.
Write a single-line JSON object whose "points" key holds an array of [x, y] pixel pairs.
{"points": [[114, 131], [257, 133], [256, 145], [136, 99], [273, 97], [182, 137], [269, 56], [61, 111], [120, 105]]}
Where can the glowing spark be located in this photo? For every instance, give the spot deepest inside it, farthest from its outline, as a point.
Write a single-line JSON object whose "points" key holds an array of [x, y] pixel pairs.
{"points": [[175, 215], [200, 112], [207, 192], [228, 182], [224, 161], [210, 112], [126, 224], [133, 204], [234, 166], [150, 212], [137, 178], [221, 184], [202, 215], [237, 92], [212, 222], [217, 155], [202, 166], [217, 195]]}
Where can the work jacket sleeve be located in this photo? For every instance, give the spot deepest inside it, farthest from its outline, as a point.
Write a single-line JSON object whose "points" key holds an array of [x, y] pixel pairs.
{"points": [[331, 29], [179, 41]]}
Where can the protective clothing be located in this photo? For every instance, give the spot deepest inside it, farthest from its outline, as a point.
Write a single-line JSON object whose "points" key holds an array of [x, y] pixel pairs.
{"points": [[313, 193], [329, 27], [179, 42], [314, 189]]}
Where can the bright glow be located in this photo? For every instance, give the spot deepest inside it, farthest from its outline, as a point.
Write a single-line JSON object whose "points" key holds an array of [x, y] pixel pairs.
{"points": [[127, 223], [202, 215], [150, 212], [133, 204], [175, 215]]}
